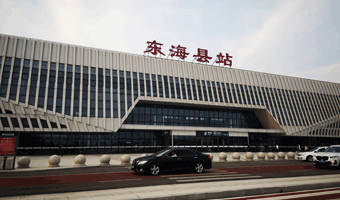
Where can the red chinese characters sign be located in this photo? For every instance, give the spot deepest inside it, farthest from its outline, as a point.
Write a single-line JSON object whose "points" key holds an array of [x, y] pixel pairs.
{"points": [[7, 145], [202, 54]]}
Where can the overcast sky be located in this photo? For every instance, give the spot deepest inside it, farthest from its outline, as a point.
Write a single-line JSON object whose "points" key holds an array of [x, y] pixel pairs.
{"points": [[296, 38]]}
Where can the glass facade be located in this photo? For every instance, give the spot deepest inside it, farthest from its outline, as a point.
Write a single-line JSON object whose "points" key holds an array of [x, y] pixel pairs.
{"points": [[167, 115]]}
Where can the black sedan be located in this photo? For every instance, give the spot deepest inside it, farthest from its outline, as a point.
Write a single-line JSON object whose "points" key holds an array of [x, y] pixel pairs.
{"points": [[173, 158]]}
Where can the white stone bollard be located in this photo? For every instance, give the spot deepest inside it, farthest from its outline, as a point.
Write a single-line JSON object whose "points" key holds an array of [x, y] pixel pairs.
{"points": [[271, 156], [291, 156], [144, 155], [222, 156], [24, 162], [54, 161], [236, 157], [105, 160], [261, 156], [281, 156], [249, 156], [125, 160], [79, 160]]}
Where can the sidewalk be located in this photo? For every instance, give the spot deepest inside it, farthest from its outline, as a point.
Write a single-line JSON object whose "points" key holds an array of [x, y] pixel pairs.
{"points": [[202, 190], [92, 160]]}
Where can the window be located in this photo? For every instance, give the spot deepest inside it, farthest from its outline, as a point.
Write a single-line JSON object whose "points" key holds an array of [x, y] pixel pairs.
{"points": [[51, 86], [219, 91], [77, 77], [54, 125], [141, 83], [214, 90], [115, 95], [186, 153], [84, 103], [148, 86], [15, 79], [42, 85], [135, 85], [154, 85], [15, 122], [69, 83], [24, 123], [4, 121], [199, 90], [34, 123], [128, 89], [194, 89], [122, 93], [209, 90], [44, 123], [188, 89], [5, 76], [100, 92], [108, 93], [204, 91], [160, 86], [93, 83], [173, 95], [166, 86], [177, 88], [183, 88], [60, 87]]}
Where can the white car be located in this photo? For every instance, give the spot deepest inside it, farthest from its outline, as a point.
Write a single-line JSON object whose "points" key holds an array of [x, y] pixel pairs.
{"points": [[331, 157], [308, 155]]}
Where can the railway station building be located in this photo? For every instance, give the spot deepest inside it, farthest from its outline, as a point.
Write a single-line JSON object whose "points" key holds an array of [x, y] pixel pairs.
{"points": [[99, 101]]}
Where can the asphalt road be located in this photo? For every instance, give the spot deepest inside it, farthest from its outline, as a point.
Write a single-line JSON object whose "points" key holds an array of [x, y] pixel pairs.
{"points": [[111, 177]]}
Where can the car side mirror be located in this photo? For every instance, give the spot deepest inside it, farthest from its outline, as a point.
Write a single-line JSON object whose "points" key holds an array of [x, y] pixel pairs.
{"points": [[315, 151]]}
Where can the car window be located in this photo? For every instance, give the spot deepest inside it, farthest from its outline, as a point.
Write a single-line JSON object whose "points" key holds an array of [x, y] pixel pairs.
{"points": [[186, 153], [321, 150], [197, 152], [333, 149]]}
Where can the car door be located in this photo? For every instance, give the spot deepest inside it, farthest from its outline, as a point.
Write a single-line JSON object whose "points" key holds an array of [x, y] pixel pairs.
{"points": [[169, 162], [186, 159]]}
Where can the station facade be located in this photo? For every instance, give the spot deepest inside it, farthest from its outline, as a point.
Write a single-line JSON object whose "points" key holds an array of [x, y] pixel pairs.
{"points": [[99, 101]]}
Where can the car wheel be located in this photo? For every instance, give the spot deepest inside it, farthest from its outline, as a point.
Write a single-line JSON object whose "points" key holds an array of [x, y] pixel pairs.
{"points": [[309, 158], [154, 169], [199, 167]]}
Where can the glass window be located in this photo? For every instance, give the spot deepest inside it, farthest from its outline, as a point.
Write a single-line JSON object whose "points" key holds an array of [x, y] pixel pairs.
{"points": [[100, 92], [44, 123], [135, 85], [204, 91], [154, 85], [4, 121], [122, 93], [186, 153], [194, 89], [209, 90], [199, 89], [166, 86], [141, 83], [34, 123], [183, 89], [160, 86], [148, 86], [172, 87], [214, 90], [24, 123], [15, 122]]}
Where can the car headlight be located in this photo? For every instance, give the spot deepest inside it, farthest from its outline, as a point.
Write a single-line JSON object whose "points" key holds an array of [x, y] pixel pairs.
{"points": [[142, 162], [334, 157]]}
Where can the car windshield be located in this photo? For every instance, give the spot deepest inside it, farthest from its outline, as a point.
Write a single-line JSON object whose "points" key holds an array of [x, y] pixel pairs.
{"points": [[333, 149], [160, 153]]}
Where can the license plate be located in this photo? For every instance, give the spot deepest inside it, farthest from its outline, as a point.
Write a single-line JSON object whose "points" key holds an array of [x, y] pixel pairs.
{"points": [[322, 161], [132, 167]]}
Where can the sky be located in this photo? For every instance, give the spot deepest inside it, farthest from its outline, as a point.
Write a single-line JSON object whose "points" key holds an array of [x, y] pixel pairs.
{"points": [[299, 38]]}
